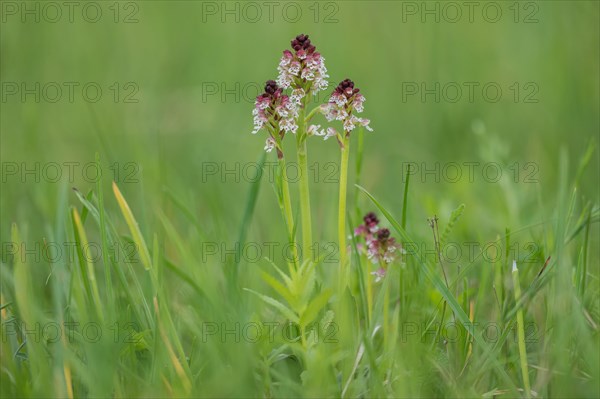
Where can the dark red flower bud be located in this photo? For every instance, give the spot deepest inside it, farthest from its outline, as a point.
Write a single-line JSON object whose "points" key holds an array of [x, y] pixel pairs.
{"points": [[383, 234], [371, 219], [270, 87], [302, 42], [346, 87]]}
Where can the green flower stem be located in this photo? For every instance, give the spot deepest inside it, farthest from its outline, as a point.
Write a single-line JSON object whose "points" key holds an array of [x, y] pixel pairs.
{"points": [[311, 114], [305, 202], [521, 332], [287, 210], [342, 212], [369, 278], [359, 159], [305, 213]]}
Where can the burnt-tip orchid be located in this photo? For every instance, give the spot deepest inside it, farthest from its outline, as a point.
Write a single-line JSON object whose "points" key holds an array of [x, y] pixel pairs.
{"points": [[276, 113], [303, 69], [343, 105], [379, 247]]}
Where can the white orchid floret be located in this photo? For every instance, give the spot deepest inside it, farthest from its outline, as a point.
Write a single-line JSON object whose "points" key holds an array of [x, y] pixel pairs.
{"points": [[256, 128], [289, 125], [358, 103], [285, 76], [286, 59], [365, 123], [258, 124], [284, 80], [333, 112], [341, 114], [259, 118], [301, 54], [313, 130], [262, 103], [319, 84], [270, 144], [288, 108], [282, 111], [297, 96], [314, 60], [294, 68], [331, 132], [338, 99], [308, 74], [349, 124]]}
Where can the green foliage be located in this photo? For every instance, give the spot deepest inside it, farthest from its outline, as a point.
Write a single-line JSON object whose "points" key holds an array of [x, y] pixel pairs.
{"points": [[153, 290]]}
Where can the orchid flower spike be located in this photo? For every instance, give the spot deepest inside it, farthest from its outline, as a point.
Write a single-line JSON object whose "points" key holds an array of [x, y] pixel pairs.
{"points": [[381, 248], [303, 69], [276, 113], [344, 103]]}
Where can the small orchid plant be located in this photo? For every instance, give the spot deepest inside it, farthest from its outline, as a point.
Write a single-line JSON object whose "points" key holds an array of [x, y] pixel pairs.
{"points": [[281, 110], [379, 247]]}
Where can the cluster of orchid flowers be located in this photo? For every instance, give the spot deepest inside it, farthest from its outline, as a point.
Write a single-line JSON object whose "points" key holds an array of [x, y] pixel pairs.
{"points": [[303, 71], [380, 247], [275, 112], [281, 109]]}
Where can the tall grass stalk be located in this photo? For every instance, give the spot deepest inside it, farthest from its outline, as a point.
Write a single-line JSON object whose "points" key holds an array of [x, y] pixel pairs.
{"points": [[386, 313], [104, 238], [369, 277], [248, 214], [82, 242], [521, 331], [585, 254]]}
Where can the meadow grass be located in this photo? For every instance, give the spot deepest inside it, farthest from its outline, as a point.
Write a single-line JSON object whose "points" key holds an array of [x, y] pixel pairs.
{"points": [[153, 323]]}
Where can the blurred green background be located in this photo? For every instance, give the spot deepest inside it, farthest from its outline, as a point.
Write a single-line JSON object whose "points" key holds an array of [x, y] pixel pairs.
{"points": [[193, 68], [172, 126]]}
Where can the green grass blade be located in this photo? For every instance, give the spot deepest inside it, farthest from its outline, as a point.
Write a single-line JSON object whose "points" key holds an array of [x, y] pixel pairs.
{"points": [[104, 237], [405, 198], [133, 228], [90, 273], [249, 210]]}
